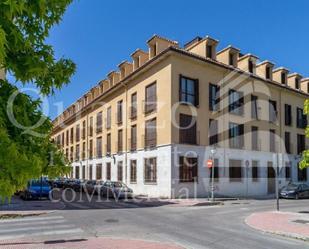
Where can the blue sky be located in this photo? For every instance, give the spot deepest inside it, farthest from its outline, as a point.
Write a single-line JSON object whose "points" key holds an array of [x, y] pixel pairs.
{"points": [[98, 35]]}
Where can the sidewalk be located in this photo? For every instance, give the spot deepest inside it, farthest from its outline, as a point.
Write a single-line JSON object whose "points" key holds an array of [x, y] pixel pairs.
{"points": [[293, 225], [91, 243]]}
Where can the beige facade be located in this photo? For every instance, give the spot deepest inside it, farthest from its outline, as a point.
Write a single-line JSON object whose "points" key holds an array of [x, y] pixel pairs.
{"points": [[255, 109]]}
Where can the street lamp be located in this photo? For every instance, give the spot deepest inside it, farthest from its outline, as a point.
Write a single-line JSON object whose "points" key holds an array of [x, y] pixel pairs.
{"points": [[213, 152]]}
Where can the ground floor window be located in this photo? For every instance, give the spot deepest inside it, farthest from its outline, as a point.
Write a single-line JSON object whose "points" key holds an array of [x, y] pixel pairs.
{"points": [[83, 172], [77, 172], [90, 172], [287, 170], [302, 174], [99, 172], [120, 171], [216, 170], [255, 170], [108, 171], [235, 170], [133, 171], [188, 169], [150, 170]]}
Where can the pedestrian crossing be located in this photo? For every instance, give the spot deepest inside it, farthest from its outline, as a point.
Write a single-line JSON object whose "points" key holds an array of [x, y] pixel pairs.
{"points": [[36, 226]]}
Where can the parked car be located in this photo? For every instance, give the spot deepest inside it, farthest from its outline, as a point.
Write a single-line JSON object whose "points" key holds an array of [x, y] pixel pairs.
{"points": [[88, 186], [74, 184], [36, 189], [98, 186], [116, 190], [58, 182], [295, 191]]}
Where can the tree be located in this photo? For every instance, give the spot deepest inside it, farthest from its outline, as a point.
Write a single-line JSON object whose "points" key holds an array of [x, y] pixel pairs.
{"points": [[24, 27], [304, 163]]}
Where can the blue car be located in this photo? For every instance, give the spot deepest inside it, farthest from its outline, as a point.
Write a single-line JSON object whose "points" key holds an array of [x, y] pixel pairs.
{"points": [[36, 189]]}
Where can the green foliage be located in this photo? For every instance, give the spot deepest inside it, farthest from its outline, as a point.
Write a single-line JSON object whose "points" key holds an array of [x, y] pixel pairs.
{"points": [[24, 27], [304, 163]]}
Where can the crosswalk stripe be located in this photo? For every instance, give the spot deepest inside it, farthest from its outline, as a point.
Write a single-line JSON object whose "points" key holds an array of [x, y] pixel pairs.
{"points": [[43, 233], [30, 219], [32, 223], [25, 229]]}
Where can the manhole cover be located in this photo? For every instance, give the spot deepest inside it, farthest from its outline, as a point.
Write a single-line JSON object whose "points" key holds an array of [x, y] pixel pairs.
{"points": [[111, 220], [301, 221], [303, 212]]}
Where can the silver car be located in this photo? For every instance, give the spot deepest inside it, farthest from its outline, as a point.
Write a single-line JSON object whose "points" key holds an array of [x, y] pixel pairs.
{"points": [[116, 190]]}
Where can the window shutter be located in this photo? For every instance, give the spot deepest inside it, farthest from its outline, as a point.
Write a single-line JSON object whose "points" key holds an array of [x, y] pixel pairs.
{"points": [[197, 92], [179, 92]]}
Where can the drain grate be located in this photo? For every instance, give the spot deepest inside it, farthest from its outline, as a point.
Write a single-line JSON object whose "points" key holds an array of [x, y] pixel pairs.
{"points": [[303, 212], [111, 220], [301, 221]]}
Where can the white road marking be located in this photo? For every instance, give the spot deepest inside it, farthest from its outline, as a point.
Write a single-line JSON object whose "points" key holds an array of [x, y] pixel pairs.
{"points": [[30, 219]]}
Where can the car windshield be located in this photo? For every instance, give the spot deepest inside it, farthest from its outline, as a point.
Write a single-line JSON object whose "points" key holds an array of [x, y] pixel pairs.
{"points": [[119, 185], [291, 187]]}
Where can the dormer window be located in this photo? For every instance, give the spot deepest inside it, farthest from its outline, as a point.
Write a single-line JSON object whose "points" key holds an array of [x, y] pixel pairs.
{"points": [[154, 49], [137, 62], [250, 66], [268, 69], [283, 78], [297, 85], [307, 87], [231, 59], [209, 51]]}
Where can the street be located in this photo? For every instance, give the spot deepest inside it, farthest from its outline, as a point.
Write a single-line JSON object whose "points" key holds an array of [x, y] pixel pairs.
{"points": [[196, 226]]}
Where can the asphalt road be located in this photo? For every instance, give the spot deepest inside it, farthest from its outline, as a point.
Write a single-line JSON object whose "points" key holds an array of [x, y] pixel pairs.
{"points": [[219, 227]]}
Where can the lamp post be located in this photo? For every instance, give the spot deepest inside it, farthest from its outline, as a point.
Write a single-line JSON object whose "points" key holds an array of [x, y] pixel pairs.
{"points": [[213, 152]]}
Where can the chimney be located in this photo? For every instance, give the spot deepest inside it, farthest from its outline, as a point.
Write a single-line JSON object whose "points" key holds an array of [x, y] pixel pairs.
{"points": [[294, 80], [125, 69], [304, 85], [229, 56], [139, 58], [157, 44], [265, 70], [280, 75], [113, 77], [248, 63], [204, 47]]}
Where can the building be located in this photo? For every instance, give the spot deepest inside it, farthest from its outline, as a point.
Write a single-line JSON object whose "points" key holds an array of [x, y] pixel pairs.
{"points": [[153, 122]]}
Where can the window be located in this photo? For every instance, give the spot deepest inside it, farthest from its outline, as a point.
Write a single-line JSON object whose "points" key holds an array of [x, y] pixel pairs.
{"points": [[62, 139], [90, 149], [236, 102], [268, 73], [108, 171], [255, 138], [84, 151], [120, 139], [255, 171], [287, 142], [133, 105], [272, 141], [235, 170], [188, 169], [133, 171], [119, 171], [287, 114], [188, 90], [236, 139], [90, 172], [72, 135], [151, 133], [272, 107], [209, 51], [231, 59], [77, 134], [67, 153], [84, 130], [151, 98], [216, 170], [108, 144], [254, 107], [108, 117], [133, 138], [83, 172], [99, 122], [287, 170], [71, 154], [99, 172], [301, 174], [283, 78], [297, 85], [300, 143], [77, 152], [187, 129], [301, 121], [99, 147], [119, 111], [150, 170], [213, 132], [77, 172], [214, 97], [91, 126], [67, 137], [250, 66]]}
